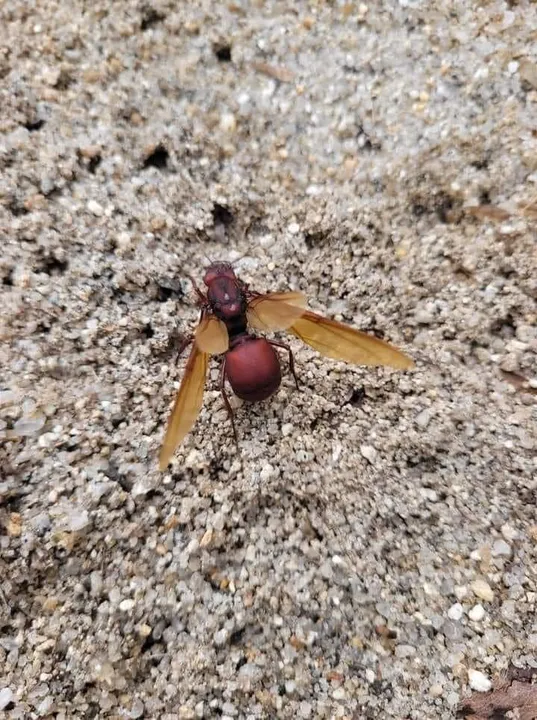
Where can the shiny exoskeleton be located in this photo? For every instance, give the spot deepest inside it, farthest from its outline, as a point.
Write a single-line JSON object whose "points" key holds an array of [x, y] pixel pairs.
{"points": [[251, 365]]}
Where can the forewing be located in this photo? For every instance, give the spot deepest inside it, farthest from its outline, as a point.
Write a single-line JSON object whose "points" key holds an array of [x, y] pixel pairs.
{"points": [[187, 404], [341, 342], [275, 311], [212, 336]]}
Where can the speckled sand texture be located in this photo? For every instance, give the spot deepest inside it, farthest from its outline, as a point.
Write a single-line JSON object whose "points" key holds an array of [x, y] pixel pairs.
{"points": [[371, 551]]}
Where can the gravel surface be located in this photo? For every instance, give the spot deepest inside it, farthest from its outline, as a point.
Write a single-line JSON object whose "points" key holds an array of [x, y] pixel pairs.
{"points": [[371, 551]]}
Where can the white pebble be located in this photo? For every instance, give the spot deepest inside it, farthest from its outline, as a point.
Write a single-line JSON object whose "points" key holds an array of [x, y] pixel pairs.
{"points": [[509, 533], [290, 687], [339, 693], [77, 520], [96, 583], [482, 590], [423, 418], [369, 452], [455, 612], [126, 605], [512, 67], [220, 637], [287, 429], [8, 397], [267, 471], [294, 228], [137, 709], [500, 549], [45, 706], [228, 123], [478, 681], [28, 426], [123, 240], [477, 613], [95, 209], [6, 697], [423, 317]]}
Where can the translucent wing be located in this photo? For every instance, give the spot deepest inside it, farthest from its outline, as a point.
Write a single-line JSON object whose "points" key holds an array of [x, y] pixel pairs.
{"points": [[341, 342], [275, 311], [211, 335], [187, 404]]}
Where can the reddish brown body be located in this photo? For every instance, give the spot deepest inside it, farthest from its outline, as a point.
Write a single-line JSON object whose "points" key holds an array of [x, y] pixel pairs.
{"points": [[252, 368], [250, 363]]}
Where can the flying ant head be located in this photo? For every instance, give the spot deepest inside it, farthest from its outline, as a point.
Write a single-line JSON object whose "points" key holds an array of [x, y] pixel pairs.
{"points": [[218, 269]]}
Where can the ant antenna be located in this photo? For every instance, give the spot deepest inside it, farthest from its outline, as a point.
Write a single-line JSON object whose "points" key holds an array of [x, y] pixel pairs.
{"points": [[244, 254]]}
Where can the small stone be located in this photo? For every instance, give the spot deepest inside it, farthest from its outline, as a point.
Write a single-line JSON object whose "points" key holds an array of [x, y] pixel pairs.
{"points": [[423, 317], [267, 471], [305, 709], [207, 538], [186, 713], [248, 675], [144, 630], [461, 591], [221, 637], [405, 651], [229, 709], [228, 123], [290, 687], [501, 549], [509, 533], [294, 228], [142, 487], [6, 697], [95, 209], [370, 676], [137, 709], [8, 397], [424, 417], [96, 583], [126, 605], [77, 520], [14, 524], [123, 240], [28, 426], [455, 612], [452, 631], [508, 610], [339, 693], [369, 452], [482, 590], [45, 706], [477, 613], [287, 429], [478, 681], [436, 691]]}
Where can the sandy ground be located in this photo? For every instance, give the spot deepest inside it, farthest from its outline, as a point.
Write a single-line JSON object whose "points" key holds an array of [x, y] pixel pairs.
{"points": [[371, 552]]}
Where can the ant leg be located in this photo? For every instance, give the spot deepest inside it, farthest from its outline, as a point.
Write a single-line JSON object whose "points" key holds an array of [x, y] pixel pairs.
{"points": [[183, 346], [226, 400], [291, 358], [201, 296]]}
